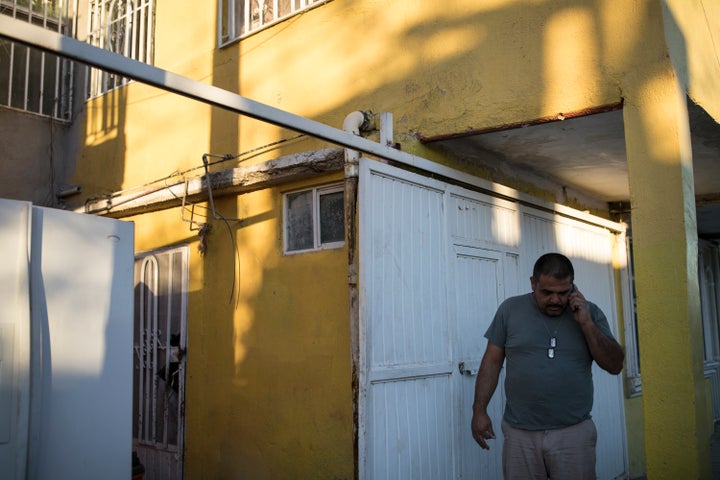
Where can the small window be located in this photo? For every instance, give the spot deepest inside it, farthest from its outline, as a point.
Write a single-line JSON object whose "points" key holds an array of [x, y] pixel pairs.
{"points": [[239, 18], [315, 219]]}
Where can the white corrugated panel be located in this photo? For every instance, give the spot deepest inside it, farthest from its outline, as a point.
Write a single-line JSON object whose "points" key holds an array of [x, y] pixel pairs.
{"points": [[410, 416], [479, 285], [408, 345], [483, 219], [435, 262], [406, 243]]}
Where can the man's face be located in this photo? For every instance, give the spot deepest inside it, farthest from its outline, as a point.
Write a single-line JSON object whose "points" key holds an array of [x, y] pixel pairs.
{"points": [[551, 295]]}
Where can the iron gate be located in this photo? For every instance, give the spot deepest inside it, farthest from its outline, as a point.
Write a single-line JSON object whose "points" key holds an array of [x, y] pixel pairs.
{"points": [[159, 361]]}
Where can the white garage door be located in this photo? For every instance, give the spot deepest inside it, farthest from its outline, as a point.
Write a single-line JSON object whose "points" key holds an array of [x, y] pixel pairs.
{"points": [[435, 262]]}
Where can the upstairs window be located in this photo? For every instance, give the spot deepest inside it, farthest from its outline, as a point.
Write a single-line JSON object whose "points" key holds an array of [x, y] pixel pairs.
{"points": [[32, 80], [126, 27], [239, 18], [314, 219]]}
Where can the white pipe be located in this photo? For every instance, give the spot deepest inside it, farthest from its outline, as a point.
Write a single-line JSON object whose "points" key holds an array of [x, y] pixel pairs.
{"points": [[386, 129], [352, 124]]}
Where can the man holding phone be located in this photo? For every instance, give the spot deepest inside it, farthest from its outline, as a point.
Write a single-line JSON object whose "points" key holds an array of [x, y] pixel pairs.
{"points": [[549, 339]]}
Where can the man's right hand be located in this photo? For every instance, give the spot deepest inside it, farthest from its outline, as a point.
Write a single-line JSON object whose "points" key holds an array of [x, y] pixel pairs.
{"points": [[482, 429]]}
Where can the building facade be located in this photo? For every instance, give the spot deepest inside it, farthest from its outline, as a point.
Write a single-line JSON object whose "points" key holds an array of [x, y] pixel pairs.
{"points": [[295, 301]]}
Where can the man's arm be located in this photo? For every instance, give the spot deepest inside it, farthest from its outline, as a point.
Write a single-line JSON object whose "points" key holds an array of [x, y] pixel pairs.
{"points": [[485, 384], [606, 352]]}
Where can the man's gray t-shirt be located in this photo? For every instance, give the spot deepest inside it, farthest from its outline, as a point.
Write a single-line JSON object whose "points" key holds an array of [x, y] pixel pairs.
{"points": [[544, 393]]}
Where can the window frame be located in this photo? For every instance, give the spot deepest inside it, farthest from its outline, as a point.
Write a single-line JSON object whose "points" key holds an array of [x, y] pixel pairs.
{"points": [[633, 379], [317, 192], [227, 27]]}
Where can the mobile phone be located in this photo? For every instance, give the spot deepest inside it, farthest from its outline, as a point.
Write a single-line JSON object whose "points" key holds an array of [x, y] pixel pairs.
{"points": [[575, 308]]}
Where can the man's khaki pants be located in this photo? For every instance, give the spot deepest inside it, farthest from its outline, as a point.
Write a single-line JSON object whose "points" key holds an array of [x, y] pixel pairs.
{"points": [[562, 454]]}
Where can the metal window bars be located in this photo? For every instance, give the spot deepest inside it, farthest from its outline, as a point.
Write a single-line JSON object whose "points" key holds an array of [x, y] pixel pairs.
{"points": [[161, 283], [239, 18], [32, 80], [125, 27]]}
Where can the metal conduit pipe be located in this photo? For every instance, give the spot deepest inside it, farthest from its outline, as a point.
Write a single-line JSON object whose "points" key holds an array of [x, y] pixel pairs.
{"points": [[353, 123]]}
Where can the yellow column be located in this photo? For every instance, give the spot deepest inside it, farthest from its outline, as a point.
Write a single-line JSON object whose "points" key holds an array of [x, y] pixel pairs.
{"points": [[677, 428]]}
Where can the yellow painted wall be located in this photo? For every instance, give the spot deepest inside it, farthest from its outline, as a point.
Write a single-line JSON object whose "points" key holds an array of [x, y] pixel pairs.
{"points": [[268, 392], [693, 31], [665, 247], [635, 436], [441, 68]]}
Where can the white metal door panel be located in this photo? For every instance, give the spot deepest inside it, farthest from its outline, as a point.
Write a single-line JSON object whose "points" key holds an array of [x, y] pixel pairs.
{"points": [[476, 219], [407, 349], [421, 243], [410, 423], [408, 248], [82, 310], [14, 336], [591, 250], [478, 289]]}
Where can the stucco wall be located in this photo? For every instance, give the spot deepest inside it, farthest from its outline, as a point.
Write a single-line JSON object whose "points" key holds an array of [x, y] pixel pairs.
{"points": [[34, 157], [268, 392], [693, 34], [440, 69]]}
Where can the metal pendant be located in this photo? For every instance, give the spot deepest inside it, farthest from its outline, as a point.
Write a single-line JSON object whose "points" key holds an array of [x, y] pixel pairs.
{"points": [[551, 350]]}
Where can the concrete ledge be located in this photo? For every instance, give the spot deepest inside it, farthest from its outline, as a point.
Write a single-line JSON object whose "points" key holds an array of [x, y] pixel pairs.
{"points": [[226, 182]]}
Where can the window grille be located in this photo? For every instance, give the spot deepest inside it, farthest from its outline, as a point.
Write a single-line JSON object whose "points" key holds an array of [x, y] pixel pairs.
{"points": [[239, 18], [314, 219], [709, 278], [126, 27], [32, 80], [161, 280]]}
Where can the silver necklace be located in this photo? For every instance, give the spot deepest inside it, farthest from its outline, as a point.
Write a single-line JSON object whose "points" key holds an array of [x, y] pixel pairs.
{"points": [[552, 342]]}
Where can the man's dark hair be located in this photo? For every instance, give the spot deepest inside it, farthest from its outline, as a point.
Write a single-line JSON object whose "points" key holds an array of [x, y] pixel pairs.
{"points": [[554, 265]]}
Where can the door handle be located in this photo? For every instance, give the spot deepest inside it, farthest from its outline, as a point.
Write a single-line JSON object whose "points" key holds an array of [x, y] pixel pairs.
{"points": [[467, 371]]}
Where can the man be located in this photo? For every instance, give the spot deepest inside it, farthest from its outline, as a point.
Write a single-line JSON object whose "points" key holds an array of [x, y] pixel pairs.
{"points": [[549, 339]]}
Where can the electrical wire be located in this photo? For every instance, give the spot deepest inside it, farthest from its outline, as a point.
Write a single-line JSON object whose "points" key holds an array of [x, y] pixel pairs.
{"points": [[243, 156]]}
